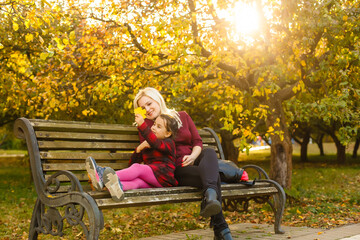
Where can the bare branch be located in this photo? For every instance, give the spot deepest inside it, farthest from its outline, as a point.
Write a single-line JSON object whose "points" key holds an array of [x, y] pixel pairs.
{"points": [[204, 52], [285, 93]]}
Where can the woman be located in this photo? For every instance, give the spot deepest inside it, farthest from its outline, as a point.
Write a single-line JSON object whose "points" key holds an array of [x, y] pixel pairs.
{"points": [[195, 166]]}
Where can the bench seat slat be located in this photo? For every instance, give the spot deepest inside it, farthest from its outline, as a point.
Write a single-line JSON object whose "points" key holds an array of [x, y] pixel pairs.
{"points": [[172, 190], [148, 200], [181, 197]]}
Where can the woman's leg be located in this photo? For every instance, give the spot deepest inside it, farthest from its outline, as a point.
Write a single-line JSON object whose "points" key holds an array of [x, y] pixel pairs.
{"points": [[204, 174], [209, 170], [189, 176], [138, 171]]}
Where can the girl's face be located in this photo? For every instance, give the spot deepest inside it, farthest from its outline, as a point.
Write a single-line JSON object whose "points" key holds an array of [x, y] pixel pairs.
{"points": [[151, 106], [159, 129]]}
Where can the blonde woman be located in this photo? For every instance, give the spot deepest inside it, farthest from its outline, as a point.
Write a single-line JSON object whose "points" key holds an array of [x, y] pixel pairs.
{"points": [[195, 166]]}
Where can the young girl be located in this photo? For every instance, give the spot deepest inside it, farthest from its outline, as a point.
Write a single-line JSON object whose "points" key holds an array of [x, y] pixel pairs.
{"points": [[157, 152]]}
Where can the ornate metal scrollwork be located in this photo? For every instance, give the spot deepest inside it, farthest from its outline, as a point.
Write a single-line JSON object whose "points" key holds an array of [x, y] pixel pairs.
{"points": [[263, 199], [50, 221], [74, 216], [53, 184], [236, 204], [242, 204]]}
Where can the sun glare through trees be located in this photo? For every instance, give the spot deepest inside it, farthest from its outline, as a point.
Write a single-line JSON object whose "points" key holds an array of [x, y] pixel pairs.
{"points": [[245, 18]]}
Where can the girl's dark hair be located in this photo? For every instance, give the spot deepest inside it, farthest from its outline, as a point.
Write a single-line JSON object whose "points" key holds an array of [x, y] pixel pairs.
{"points": [[171, 124]]}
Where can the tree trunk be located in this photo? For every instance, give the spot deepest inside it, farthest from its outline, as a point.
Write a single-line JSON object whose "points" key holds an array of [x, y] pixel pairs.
{"points": [[281, 161], [341, 150], [304, 146], [281, 147], [231, 152], [356, 147], [319, 142]]}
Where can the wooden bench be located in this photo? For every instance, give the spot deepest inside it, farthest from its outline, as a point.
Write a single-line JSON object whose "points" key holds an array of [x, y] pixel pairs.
{"points": [[57, 152]]}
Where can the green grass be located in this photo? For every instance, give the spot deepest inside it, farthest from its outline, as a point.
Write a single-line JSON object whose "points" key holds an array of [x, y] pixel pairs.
{"points": [[323, 195]]}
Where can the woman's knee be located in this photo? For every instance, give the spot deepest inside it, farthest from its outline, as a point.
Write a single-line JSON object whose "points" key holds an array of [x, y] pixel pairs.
{"points": [[210, 153]]}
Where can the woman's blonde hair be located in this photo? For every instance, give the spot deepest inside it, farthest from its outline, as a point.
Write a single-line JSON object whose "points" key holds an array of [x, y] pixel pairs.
{"points": [[156, 96]]}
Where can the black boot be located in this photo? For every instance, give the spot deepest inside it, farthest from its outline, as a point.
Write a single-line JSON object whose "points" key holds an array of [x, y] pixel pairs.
{"points": [[211, 206], [223, 235]]}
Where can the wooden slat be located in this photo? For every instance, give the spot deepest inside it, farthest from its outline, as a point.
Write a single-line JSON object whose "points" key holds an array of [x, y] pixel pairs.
{"points": [[68, 126], [179, 190], [79, 166], [210, 146], [86, 136], [84, 155], [169, 190], [209, 140], [81, 176], [135, 192], [204, 133], [149, 200], [180, 197], [53, 145]]}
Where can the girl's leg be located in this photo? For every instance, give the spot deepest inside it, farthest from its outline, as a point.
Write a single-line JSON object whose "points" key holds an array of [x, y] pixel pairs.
{"points": [[135, 184], [138, 171]]}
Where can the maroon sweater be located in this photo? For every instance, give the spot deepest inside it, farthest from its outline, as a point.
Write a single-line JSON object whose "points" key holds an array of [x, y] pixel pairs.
{"points": [[186, 138], [160, 156]]}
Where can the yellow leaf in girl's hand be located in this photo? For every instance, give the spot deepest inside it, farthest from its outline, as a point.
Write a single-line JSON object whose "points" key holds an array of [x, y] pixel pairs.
{"points": [[140, 111]]}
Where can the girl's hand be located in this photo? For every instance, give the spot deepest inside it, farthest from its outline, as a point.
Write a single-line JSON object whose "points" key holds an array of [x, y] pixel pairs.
{"points": [[188, 160], [142, 146], [139, 119]]}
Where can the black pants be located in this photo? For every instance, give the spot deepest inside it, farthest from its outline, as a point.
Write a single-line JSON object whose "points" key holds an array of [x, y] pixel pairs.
{"points": [[204, 174]]}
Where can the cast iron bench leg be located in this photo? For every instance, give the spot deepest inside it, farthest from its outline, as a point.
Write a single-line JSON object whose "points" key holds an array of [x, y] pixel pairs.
{"points": [[278, 205], [51, 222]]}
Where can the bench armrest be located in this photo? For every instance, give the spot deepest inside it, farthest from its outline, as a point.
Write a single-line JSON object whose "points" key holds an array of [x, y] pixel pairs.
{"points": [[52, 185], [260, 171]]}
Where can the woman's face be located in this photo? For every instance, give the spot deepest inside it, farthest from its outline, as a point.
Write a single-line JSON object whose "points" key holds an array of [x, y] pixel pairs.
{"points": [[151, 106]]}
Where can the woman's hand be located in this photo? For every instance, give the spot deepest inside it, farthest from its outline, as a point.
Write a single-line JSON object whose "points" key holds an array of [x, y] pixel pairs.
{"points": [[139, 119], [188, 160], [142, 146]]}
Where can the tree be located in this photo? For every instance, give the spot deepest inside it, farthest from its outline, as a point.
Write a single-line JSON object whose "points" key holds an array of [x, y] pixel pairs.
{"points": [[329, 71], [49, 66], [86, 61], [356, 147]]}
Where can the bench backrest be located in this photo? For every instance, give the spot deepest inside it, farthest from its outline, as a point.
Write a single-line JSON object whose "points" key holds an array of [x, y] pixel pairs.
{"points": [[64, 145]]}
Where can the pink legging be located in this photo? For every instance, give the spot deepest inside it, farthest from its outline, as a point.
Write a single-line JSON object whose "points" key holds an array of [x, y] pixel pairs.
{"points": [[137, 176]]}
